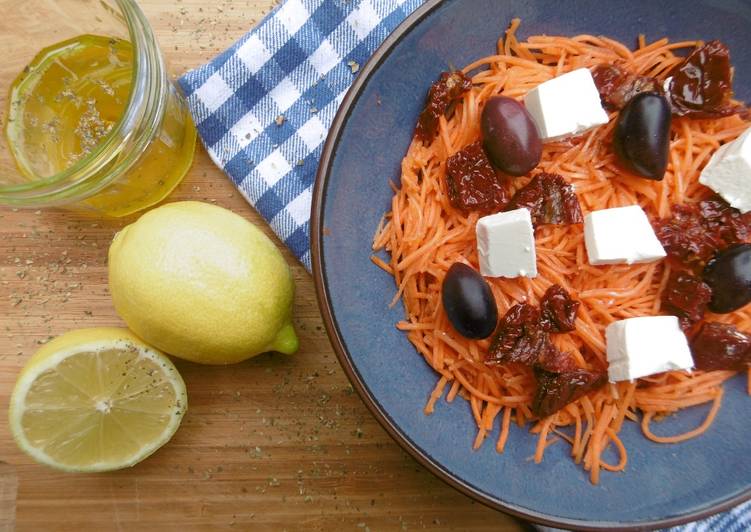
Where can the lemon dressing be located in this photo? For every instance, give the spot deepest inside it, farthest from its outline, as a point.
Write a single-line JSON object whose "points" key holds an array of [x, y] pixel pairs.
{"points": [[68, 103]]}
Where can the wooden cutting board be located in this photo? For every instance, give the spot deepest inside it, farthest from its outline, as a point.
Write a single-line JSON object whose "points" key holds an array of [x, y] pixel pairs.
{"points": [[279, 442]]}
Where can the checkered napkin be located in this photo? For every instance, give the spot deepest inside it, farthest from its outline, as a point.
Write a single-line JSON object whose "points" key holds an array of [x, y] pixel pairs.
{"points": [[263, 107], [737, 519]]}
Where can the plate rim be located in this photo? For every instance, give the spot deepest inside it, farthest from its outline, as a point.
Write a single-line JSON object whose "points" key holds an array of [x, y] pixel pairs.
{"points": [[332, 328]]}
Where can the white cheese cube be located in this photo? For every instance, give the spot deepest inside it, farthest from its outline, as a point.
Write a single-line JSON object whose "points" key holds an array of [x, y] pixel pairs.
{"points": [[506, 244], [620, 236], [728, 172], [566, 105], [637, 347]]}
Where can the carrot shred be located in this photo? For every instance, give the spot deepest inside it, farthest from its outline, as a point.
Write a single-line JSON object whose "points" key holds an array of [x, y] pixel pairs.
{"points": [[621, 465], [542, 439], [505, 425], [686, 435]]}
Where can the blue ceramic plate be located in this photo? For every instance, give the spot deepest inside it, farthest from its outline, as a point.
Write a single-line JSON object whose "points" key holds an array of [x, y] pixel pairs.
{"points": [[663, 484]]}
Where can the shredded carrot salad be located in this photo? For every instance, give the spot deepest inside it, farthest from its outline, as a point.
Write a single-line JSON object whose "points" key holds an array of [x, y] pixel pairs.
{"points": [[425, 236]]}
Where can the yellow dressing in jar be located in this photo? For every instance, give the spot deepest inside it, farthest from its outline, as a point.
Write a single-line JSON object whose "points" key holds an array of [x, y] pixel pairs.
{"points": [[68, 101]]}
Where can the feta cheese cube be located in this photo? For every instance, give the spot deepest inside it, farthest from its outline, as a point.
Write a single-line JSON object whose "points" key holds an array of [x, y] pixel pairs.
{"points": [[506, 244], [620, 236], [566, 105], [637, 347], [728, 172]]}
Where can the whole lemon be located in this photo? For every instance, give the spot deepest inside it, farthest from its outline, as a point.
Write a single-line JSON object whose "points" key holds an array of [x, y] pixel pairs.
{"points": [[202, 283]]}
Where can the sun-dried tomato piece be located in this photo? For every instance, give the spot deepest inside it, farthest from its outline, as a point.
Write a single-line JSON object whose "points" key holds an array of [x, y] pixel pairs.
{"points": [[519, 337], [697, 231], [558, 310], [472, 182], [607, 79], [721, 346], [702, 86], [557, 389], [686, 296], [727, 222], [447, 90], [550, 200], [686, 238], [556, 361], [617, 85]]}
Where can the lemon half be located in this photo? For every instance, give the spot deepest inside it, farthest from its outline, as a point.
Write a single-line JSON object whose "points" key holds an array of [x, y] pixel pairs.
{"points": [[96, 400]]}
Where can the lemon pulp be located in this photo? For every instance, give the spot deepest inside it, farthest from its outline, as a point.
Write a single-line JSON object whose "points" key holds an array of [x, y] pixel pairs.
{"points": [[96, 400]]}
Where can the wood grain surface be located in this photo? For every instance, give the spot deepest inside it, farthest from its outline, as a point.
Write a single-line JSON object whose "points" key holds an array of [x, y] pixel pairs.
{"points": [[276, 443]]}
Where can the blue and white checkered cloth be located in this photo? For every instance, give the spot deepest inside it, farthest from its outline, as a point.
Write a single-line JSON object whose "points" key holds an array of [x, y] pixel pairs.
{"points": [[736, 520], [264, 106]]}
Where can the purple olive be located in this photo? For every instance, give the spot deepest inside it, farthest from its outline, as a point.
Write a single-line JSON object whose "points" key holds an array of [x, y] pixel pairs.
{"points": [[510, 136], [641, 139], [468, 302], [728, 274]]}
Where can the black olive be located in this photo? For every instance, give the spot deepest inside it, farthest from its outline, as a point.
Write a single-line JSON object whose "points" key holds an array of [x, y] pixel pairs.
{"points": [[510, 136], [728, 274], [641, 139], [468, 302]]}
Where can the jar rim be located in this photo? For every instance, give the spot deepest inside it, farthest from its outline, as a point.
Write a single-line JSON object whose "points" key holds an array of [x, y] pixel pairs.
{"points": [[137, 127]]}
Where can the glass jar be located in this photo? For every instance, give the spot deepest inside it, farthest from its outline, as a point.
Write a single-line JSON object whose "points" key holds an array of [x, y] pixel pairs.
{"points": [[84, 159]]}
